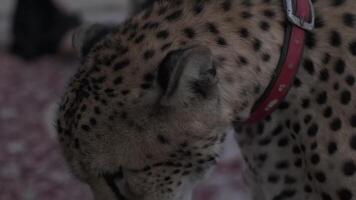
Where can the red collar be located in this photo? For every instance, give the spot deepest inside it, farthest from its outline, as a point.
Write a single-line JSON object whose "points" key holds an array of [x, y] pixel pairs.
{"points": [[299, 12]]}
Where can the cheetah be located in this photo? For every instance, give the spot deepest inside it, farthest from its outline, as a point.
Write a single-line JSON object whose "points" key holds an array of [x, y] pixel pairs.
{"points": [[145, 116]]}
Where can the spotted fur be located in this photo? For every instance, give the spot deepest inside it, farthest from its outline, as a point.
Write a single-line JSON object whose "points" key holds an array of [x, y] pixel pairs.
{"points": [[152, 99]]}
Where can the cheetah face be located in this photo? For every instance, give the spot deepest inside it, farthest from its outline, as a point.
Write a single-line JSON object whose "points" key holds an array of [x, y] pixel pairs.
{"points": [[163, 139], [183, 108]]}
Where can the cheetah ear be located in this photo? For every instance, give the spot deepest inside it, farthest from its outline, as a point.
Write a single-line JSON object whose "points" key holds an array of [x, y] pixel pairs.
{"points": [[86, 36], [186, 74]]}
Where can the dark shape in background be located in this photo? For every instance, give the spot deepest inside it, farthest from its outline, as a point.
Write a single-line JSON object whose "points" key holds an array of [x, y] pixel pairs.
{"points": [[39, 27]]}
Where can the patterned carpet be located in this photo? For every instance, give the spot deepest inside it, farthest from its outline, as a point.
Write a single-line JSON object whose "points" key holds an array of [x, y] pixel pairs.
{"points": [[31, 165]]}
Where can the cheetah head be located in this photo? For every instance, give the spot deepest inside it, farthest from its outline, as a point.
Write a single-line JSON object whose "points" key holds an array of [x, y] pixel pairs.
{"points": [[162, 121]]}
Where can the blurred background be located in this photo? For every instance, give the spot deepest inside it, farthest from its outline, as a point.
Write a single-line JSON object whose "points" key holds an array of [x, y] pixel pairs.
{"points": [[36, 61]]}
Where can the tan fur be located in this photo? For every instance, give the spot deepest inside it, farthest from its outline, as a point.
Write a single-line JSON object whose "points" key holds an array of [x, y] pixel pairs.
{"points": [[130, 144]]}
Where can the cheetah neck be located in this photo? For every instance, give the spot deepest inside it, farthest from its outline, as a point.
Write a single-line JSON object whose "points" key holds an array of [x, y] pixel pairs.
{"points": [[246, 42]]}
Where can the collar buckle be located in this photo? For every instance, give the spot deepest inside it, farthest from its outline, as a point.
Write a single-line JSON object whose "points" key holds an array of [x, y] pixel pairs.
{"points": [[299, 20]]}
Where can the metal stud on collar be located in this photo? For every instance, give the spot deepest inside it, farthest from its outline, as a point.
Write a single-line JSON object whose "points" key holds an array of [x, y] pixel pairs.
{"points": [[297, 20]]}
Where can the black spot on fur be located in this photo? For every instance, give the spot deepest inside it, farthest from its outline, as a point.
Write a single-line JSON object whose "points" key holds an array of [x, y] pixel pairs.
{"points": [[244, 33], [313, 130], [310, 40], [319, 22], [322, 98], [264, 25], [266, 57], [309, 66], [339, 66], [353, 142], [148, 54], [350, 80], [122, 64], [344, 194], [328, 112], [352, 47], [174, 16], [221, 41], [320, 177], [345, 97], [246, 15], [353, 121], [226, 5], [85, 127], [189, 32], [324, 75], [146, 86], [117, 80], [269, 13], [337, 2], [198, 6], [332, 148], [162, 34], [162, 139], [326, 58], [212, 28], [335, 39], [257, 44], [139, 39], [349, 168], [335, 124], [349, 19]]}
